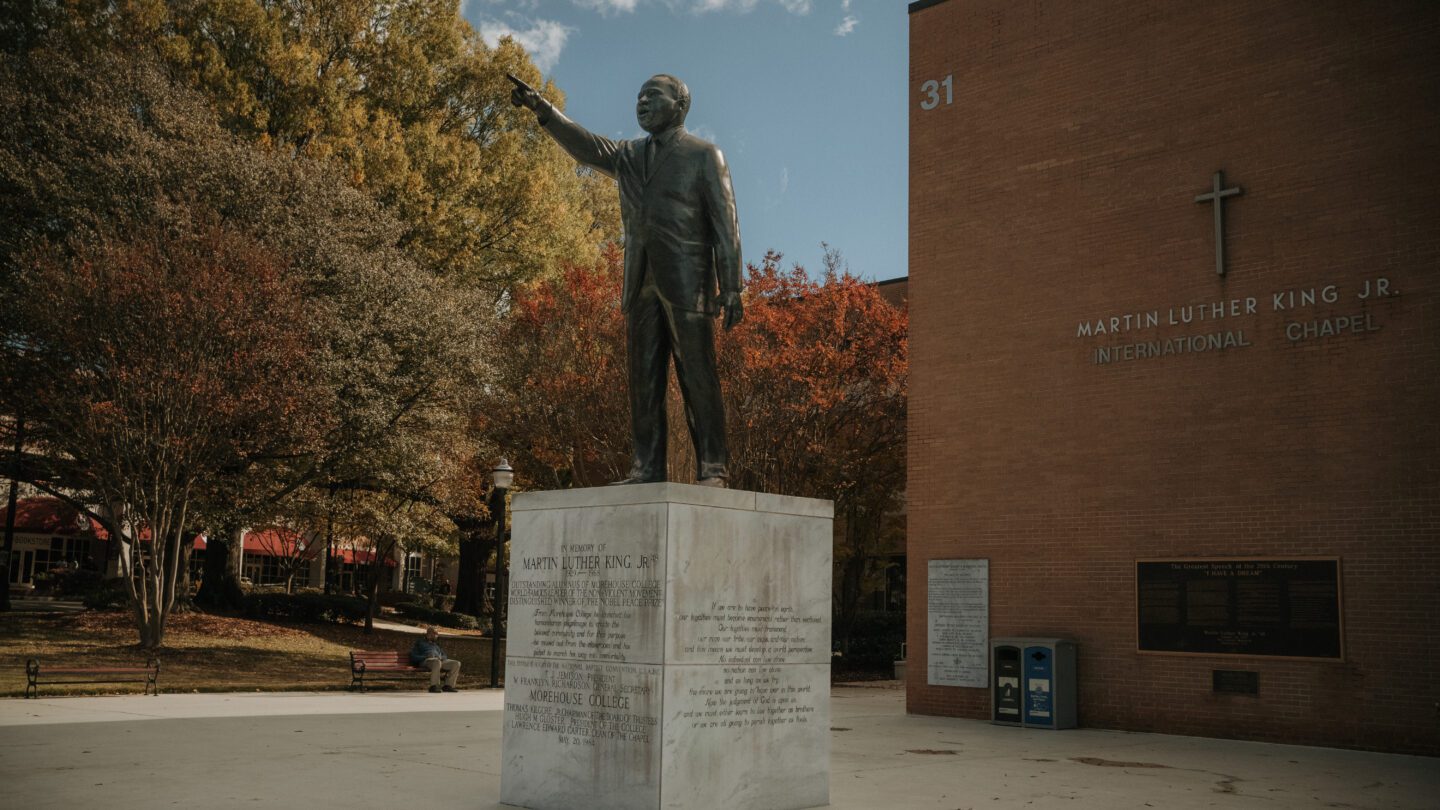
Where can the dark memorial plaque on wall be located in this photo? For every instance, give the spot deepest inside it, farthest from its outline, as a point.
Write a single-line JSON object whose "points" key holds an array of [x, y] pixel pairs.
{"points": [[1273, 607]]}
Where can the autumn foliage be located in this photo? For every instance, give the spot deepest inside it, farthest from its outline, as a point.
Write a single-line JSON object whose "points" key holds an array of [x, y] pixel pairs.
{"points": [[815, 384], [561, 401], [159, 358]]}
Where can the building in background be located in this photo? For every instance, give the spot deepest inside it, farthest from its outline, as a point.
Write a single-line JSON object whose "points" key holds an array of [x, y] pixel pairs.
{"points": [[51, 535], [1175, 332]]}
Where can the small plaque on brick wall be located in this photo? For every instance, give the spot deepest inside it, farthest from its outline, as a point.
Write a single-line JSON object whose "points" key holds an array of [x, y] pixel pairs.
{"points": [[1272, 607], [1235, 682]]}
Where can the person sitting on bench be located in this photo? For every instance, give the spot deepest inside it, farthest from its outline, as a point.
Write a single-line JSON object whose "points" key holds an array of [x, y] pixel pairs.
{"points": [[427, 654]]}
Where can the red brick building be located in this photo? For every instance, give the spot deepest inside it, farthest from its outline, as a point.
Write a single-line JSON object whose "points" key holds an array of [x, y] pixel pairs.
{"points": [[1089, 393]]}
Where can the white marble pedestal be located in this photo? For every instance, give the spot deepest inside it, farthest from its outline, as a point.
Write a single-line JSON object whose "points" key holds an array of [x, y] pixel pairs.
{"points": [[669, 648]]}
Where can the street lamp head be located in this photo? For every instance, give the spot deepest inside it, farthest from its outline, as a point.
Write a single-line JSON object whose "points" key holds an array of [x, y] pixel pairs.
{"points": [[503, 475]]}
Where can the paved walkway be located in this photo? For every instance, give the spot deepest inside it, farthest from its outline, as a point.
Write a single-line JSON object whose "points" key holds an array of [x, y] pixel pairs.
{"points": [[391, 749]]}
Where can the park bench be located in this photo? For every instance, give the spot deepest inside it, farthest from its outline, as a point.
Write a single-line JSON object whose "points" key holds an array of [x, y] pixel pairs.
{"points": [[149, 674], [380, 665]]}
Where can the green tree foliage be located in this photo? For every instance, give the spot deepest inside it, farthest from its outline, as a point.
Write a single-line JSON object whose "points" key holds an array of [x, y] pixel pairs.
{"points": [[404, 97]]}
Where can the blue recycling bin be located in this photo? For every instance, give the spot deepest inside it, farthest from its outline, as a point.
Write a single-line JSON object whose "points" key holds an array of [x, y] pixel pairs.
{"points": [[1047, 693]]}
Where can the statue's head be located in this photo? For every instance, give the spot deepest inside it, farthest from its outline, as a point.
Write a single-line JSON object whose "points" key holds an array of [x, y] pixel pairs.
{"points": [[663, 102]]}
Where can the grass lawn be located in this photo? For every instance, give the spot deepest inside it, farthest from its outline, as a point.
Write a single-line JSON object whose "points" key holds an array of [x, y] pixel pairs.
{"points": [[206, 653]]}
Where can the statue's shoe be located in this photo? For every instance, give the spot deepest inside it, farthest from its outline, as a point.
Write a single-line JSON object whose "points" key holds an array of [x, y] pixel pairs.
{"points": [[637, 479], [712, 482]]}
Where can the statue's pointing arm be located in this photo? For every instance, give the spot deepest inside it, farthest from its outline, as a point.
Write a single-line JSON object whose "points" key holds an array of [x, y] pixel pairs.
{"points": [[725, 225], [597, 152], [590, 149]]}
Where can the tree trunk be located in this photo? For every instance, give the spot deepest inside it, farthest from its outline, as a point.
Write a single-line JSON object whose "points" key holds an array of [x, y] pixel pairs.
{"points": [[372, 598], [327, 574], [220, 587], [377, 569], [852, 577], [183, 600], [152, 632], [475, 543]]}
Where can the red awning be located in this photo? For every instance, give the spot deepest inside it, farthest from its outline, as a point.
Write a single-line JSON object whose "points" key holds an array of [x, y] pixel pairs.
{"points": [[272, 542], [47, 515], [361, 557], [277, 542]]}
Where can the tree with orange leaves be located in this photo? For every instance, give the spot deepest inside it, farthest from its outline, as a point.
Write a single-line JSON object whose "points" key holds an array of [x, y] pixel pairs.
{"points": [[560, 406], [155, 360]]}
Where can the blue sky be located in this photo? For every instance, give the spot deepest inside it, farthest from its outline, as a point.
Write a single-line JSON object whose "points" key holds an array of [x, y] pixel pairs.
{"points": [[807, 98]]}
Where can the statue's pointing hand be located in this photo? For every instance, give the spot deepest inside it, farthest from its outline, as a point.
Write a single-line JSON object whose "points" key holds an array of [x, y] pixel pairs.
{"points": [[734, 310], [524, 95]]}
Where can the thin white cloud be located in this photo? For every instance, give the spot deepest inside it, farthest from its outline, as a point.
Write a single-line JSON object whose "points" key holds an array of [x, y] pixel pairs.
{"points": [[608, 6], [846, 25], [800, 7], [784, 179], [542, 39], [742, 6], [844, 5]]}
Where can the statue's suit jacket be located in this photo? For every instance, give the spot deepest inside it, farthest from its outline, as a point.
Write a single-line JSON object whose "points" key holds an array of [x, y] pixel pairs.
{"points": [[679, 217]]}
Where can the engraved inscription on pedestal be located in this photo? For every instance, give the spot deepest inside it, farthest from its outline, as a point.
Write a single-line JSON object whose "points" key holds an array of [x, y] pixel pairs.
{"points": [[744, 697], [745, 634], [582, 703], [756, 736], [588, 615], [754, 590], [588, 592], [577, 712]]}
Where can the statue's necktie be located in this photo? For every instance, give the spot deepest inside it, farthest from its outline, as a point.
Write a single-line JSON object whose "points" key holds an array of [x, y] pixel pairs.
{"points": [[652, 148]]}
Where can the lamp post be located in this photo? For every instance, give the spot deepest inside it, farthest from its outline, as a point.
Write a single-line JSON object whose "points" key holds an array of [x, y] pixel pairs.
{"points": [[502, 476], [11, 504]]}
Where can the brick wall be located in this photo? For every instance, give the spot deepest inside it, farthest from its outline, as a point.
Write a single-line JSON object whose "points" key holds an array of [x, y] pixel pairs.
{"points": [[1057, 188]]}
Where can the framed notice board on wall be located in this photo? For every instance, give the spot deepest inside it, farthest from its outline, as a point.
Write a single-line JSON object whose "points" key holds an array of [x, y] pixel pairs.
{"points": [[1245, 606]]}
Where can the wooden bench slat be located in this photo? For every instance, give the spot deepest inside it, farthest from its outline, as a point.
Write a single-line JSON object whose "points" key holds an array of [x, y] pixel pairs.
{"points": [[130, 670], [36, 675]]}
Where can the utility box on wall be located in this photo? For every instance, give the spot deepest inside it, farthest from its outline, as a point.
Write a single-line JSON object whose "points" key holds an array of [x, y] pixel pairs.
{"points": [[1046, 682]]}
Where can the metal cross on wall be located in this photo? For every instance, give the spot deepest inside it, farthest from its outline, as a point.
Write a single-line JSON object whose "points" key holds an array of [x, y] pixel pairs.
{"points": [[1218, 192]]}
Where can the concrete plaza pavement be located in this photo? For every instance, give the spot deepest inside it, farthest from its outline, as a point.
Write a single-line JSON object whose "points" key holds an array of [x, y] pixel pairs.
{"points": [[412, 748]]}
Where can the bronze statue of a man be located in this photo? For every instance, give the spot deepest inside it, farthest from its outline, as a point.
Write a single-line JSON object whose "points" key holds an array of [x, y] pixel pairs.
{"points": [[682, 266]]}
